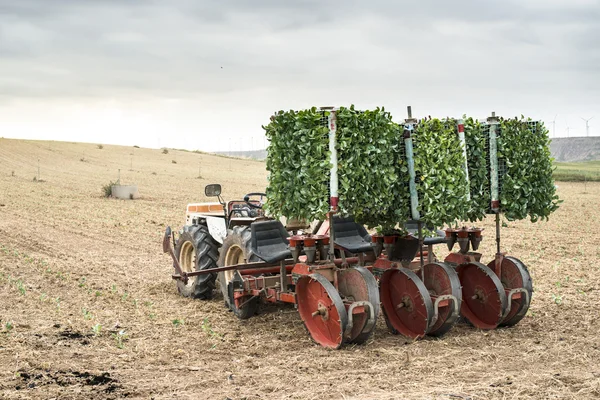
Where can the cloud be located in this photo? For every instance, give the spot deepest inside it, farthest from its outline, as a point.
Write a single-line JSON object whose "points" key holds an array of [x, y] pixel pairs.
{"points": [[263, 55]]}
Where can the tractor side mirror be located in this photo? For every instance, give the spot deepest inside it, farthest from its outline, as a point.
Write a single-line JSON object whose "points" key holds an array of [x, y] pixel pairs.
{"points": [[212, 190]]}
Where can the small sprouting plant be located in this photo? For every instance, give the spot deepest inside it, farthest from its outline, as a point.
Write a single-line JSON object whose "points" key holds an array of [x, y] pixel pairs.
{"points": [[82, 282], [113, 289], [43, 297], [125, 295], [86, 314], [177, 322], [557, 299], [8, 326], [206, 328], [20, 287], [120, 338], [97, 329]]}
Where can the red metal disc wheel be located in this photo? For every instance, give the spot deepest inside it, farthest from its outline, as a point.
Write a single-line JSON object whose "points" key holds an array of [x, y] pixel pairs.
{"points": [[354, 285], [441, 279], [484, 300], [322, 310], [406, 303], [513, 275]]}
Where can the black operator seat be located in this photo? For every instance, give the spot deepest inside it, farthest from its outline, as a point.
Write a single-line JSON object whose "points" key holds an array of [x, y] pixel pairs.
{"points": [[270, 241], [351, 236], [413, 228]]}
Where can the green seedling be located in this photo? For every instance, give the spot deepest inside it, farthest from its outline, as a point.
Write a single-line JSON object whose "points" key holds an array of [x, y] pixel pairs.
{"points": [[97, 329]]}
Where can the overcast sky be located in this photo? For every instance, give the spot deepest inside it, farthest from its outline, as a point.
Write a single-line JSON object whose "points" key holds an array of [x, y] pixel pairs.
{"points": [[193, 74]]}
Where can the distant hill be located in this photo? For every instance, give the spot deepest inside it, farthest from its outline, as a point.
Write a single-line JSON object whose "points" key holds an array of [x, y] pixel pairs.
{"points": [[254, 154], [575, 149]]}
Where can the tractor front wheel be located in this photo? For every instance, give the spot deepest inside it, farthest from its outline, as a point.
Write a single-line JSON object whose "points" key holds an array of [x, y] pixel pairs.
{"points": [[236, 250], [196, 250]]}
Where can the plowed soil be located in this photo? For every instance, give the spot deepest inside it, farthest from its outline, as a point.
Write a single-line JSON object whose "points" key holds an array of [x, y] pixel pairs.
{"points": [[88, 308]]}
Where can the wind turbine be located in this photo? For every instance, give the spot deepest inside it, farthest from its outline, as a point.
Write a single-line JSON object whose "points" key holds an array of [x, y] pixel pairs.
{"points": [[587, 125], [554, 126], [568, 127]]}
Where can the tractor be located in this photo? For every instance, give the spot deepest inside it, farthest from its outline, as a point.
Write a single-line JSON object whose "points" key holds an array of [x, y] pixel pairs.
{"points": [[338, 275]]}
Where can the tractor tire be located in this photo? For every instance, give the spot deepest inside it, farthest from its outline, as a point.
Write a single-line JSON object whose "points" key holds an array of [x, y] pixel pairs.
{"points": [[196, 250], [236, 250]]}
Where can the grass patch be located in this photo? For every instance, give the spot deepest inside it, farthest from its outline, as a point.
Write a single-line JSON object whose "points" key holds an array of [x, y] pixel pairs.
{"points": [[577, 171], [107, 189]]}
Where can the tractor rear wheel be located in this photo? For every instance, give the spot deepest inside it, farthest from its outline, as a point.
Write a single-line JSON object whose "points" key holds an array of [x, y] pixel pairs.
{"points": [[196, 250], [236, 250]]}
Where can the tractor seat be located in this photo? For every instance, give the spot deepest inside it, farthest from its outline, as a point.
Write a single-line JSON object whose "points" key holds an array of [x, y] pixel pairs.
{"points": [[351, 236], [270, 241], [413, 228]]}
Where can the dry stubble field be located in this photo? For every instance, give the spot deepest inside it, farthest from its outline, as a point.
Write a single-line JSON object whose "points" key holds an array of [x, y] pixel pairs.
{"points": [[71, 260]]}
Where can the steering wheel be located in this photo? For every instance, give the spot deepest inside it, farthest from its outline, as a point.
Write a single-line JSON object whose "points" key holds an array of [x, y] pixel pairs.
{"points": [[247, 199]]}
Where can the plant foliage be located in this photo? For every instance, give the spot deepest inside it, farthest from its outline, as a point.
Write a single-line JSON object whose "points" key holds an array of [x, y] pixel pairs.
{"points": [[298, 164], [478, 165], [370, 167], [440, 176], [526, 183]]}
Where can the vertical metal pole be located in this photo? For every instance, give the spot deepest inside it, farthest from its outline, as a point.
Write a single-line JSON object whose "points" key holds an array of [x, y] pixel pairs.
{"points": [[409, 126], [420, 227], [493, 122], [334, 160], [495, 203], [333, 177], [498, 233], [38, 169], [282, 276], [463, 143]]}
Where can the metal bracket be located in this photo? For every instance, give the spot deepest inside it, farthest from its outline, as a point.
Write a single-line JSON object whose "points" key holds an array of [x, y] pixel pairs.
{"points": [[510, 295], [370, 322], [436, 306]]}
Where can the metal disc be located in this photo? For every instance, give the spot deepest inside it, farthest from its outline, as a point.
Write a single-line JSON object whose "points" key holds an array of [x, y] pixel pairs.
{"points": [[514, 274], [322, 310], [406, 303], [441, 279], [358, 284], [484, 299]]}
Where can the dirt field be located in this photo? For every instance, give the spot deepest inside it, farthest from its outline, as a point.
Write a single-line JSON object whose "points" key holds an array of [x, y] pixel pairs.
{"points": [[88, 309]]}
